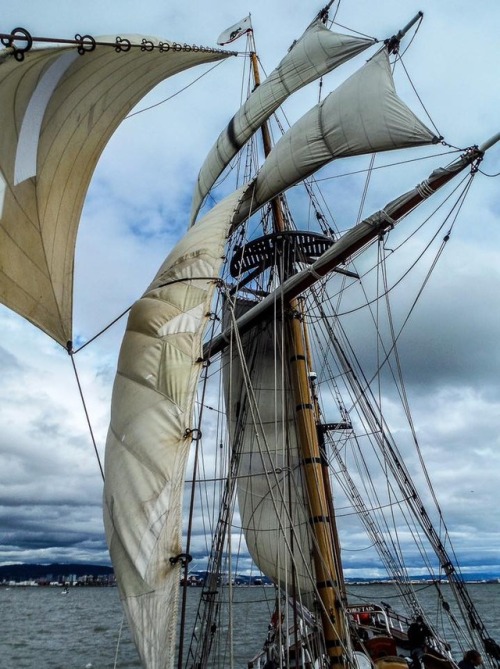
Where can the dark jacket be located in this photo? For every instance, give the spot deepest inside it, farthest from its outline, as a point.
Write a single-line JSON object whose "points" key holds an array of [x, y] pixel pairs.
{"points": [[466, 664], [418, 633]]}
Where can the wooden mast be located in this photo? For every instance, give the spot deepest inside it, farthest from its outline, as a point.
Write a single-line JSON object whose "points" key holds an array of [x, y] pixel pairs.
{"points": [[329, 578]]}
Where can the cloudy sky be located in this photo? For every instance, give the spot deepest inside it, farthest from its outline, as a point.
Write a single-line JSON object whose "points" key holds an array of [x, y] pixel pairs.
{"points": [[50, 484]]}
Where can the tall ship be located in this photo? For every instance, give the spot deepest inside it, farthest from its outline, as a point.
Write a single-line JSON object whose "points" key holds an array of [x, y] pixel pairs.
{"points": [[259, 411]]}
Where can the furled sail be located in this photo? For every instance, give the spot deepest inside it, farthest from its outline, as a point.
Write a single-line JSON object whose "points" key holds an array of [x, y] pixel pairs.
{"points": [[149, 436], [363, 115], [271, 495], [317, 52], [57, 111]]}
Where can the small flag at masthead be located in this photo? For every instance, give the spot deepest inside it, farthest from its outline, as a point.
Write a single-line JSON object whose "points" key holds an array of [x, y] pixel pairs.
{"points": [[232, 33]]}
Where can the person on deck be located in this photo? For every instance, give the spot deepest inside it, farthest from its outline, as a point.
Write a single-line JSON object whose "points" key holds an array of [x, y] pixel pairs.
{"points": [[418, 635], [472, 659]]}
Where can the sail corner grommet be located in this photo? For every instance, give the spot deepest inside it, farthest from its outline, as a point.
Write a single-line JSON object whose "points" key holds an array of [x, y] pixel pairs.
{"points": [[183, 558], [194, 433]]}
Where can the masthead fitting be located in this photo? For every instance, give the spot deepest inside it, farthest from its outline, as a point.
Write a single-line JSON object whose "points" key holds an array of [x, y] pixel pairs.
{"points": [[393, 42]]}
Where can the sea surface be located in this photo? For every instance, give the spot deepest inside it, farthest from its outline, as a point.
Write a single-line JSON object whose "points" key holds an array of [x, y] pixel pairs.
{"points": [[40, 628]]}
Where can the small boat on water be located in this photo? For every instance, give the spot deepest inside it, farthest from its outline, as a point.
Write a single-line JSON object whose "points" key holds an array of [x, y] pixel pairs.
{"points": [[244, 394]]}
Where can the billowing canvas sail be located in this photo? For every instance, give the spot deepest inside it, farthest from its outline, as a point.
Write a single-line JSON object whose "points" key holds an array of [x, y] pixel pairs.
{"points": [[149, 439], [317, 52], [363, 115], [57, 111], [270, 488]]}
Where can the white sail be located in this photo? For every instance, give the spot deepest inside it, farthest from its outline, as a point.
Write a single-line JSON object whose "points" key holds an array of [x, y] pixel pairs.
{"points": [[317, 52], [149, 439], [271, 495], [363, 115], [57, 111]]}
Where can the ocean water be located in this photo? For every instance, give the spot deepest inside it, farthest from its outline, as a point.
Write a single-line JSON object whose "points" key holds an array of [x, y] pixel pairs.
{"points": [[40, 628]]}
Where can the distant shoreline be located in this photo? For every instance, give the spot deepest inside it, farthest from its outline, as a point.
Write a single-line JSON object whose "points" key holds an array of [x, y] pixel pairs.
{"points": [[91, 575]]}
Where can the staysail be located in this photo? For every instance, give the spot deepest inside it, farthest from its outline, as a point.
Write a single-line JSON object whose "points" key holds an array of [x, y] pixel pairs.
{"points": [[316, 52], [58, 109]]}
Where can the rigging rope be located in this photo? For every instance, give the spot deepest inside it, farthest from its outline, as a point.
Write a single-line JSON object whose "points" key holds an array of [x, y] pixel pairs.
{"points": [[381, 167], [170, 97], [101, 332], [115, 663], [407, 272], [71, 355], [489, 175], [418, 96]]}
